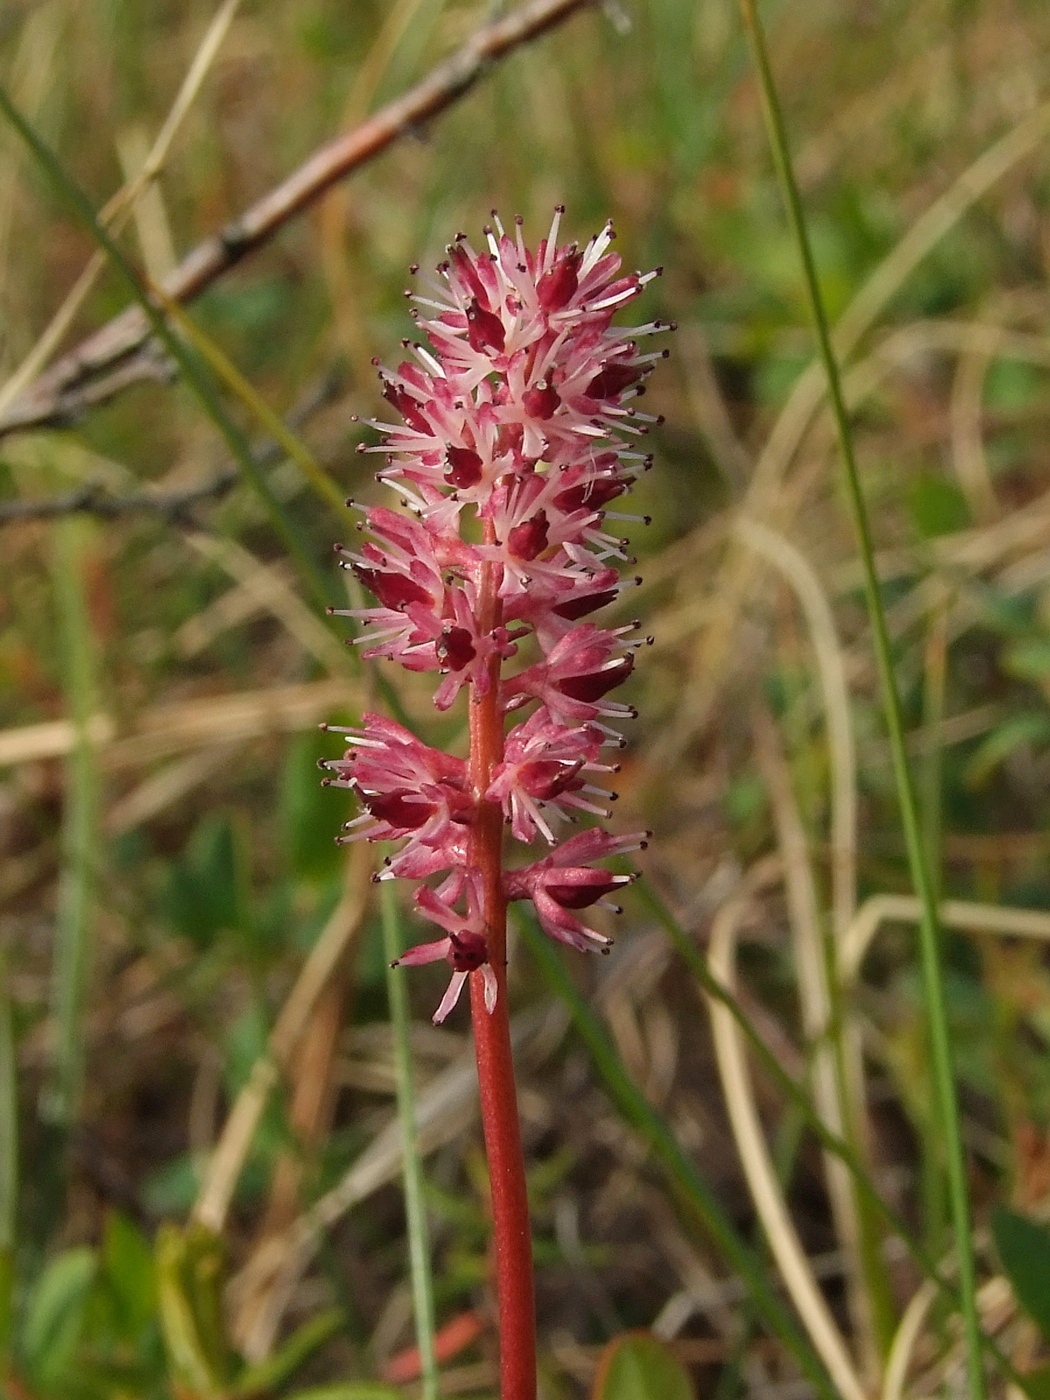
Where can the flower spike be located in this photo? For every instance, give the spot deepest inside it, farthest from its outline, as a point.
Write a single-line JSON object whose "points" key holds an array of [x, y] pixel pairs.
{"points": [[514, 431]]}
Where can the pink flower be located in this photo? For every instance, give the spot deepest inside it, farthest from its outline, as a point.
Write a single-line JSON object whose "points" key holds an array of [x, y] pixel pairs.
{"points": [[408, 790], [464, 947], [544, 767], [519, 428], [578, 672], [556, 885]]}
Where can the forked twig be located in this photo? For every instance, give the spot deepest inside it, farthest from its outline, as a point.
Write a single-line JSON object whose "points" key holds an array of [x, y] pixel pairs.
{"points": [[107, 360]]}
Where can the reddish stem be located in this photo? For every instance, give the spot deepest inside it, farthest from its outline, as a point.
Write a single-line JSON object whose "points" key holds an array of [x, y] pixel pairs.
{"points": [[496, 1085]]}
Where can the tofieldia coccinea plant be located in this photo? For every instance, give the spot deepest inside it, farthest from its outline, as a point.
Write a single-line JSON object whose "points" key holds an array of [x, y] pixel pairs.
{"points": [[519, 428]]}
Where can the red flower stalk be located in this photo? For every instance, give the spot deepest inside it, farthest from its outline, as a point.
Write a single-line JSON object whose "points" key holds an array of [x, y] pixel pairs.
{"points": [[519, 428]]}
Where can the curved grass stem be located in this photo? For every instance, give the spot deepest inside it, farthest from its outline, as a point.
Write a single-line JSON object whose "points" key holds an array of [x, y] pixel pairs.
{"points": [[930, 939]]}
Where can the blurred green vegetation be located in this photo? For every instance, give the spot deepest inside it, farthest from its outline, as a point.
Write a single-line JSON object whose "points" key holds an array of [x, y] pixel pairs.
{"points": [[168, 863]]}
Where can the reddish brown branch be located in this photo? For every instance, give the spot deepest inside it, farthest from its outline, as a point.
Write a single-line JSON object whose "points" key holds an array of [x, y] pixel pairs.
{"points": [[111, 358]]}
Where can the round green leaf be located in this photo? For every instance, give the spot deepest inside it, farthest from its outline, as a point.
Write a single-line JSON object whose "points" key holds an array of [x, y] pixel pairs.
{"points": [[637, 1366]]}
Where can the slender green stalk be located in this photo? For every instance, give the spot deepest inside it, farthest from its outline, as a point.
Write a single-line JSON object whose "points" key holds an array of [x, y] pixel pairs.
{"points": [[193, 371], [693, 1189], [929, 931], [934, 1205], [415, 1208], [8, 1162], [81, 836]]}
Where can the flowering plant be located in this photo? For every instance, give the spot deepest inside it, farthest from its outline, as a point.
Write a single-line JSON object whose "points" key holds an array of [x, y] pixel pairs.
{"points": [[519, 428], [520, 418]]}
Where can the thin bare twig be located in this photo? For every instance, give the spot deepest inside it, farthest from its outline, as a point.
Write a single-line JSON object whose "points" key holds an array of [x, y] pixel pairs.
{"points": [[176, 507], [108, 360]]}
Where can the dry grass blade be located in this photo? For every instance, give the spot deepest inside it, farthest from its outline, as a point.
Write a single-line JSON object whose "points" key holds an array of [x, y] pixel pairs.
{"points": [[793, 1266], [831, 668], [191, 724], [905, 1341], [811, 961], [123, 204], [270, 590], [960, 914], [56, 395]]}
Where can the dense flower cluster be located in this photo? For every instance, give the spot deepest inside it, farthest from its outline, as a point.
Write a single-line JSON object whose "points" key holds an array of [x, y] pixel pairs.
{"points": [[519, 428]]}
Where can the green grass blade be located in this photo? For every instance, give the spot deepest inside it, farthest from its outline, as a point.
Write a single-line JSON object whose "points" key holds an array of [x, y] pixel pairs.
{"points": [[194, 373], [81, 835], [929, 931], [8, 1160], [692, 1187], [415, 1207], [227, 372]]}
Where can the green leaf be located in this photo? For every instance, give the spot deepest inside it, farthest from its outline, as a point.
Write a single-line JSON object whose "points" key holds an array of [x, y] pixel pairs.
{"points": [[127, 1262], [1024, 1248], [937, 506], [173, 1187], [55, 1316], [310, 814], [189, 1289], [637, 1366], [271, 1374], [1007, 738], [207, 891]]}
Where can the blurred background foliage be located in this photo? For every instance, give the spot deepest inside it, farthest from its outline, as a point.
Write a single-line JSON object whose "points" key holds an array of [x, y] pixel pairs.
{"points": [[168, 864]]}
